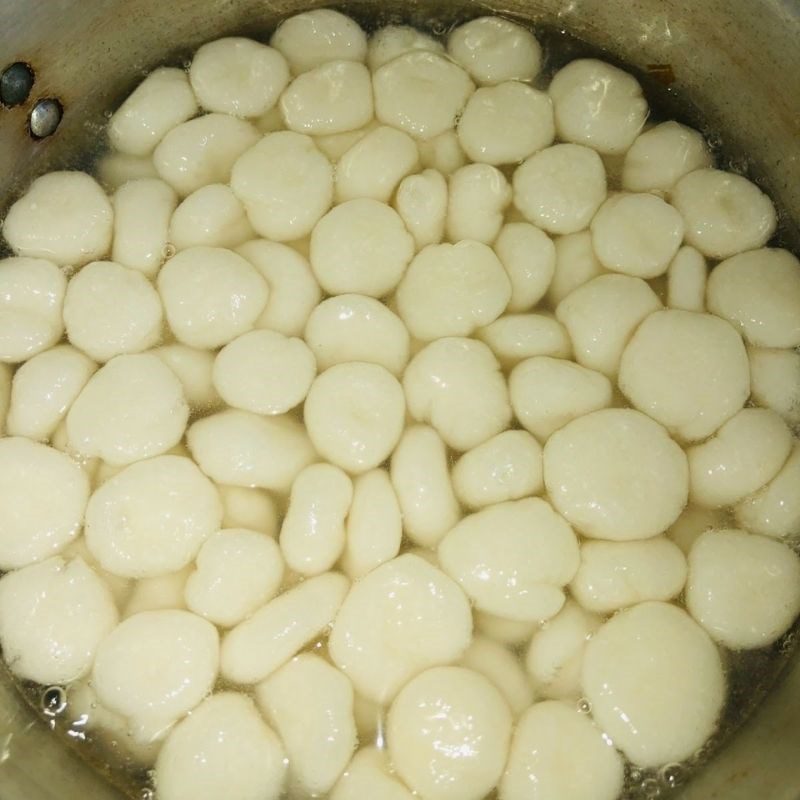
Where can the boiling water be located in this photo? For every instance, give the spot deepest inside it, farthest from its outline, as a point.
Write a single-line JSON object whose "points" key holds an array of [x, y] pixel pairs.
{"points": [[750, 674]]}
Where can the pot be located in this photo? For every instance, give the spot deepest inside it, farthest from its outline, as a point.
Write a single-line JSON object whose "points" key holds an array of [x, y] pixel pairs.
{"points": [[732, 68]]}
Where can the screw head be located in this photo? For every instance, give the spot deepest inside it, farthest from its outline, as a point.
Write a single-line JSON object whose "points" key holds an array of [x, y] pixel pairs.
{"points": [[45, 117], [16, 83]]}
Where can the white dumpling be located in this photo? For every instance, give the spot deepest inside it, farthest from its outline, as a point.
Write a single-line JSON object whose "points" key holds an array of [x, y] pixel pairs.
{"points": [[442, 153], [334, 97], [194, 369], [43, 390], [477, 198], [555, 652], [576, 264], [240, 448], [448, 734], [655, 682], [369, 775], [53, 616], [456, 385], [687, 278], [693, 521], [110, 310], [500, 629], [132, 408], [211, 216], [32, 530], [560, 188], [203, 151], [116, 169], [264, 372], [513, 559], [724, 213], [374, 528], [493, 49], [64, 217], [247, 507], [636, 234], [602, 315], [285, 183], [775, 509], [501, 666], [211, 296], [238, 76], [421, 93], [142, 212], [375, 165], [516, 337], [597, 105], [506, 467], [293, 289], [354, 414], [397, 621], [528, 255], [746, 453], [163, 100], [758, 292], [155, 667], [559, 754], [152, 517], [690, 395], [616, 474], [547, 393], [421, 479], [260, 644], [361, 246], [222, 749], [237, 572], [309, 39], [391, 41], [775, 381], [311, 704], [352, 327], [161, 593], [613, 575], [743, 588], [312, 533], [661, 156], [506, 123], [452, 289], [31, 299]]}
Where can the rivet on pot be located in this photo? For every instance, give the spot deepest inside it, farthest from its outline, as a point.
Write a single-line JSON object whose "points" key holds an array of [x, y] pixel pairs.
{"points": [[45, 117], [16, 83]]}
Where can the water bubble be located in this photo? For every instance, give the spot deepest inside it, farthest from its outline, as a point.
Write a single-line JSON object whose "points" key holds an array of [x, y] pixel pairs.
{"points": [[672, 775], [147, 794], [787, 644], [438, 28], [584, 706], [651, 788], [169, 250], [635, 775], [54, 701]]}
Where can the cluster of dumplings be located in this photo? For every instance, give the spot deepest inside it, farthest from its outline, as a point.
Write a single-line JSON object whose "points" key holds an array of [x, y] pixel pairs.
{"points": [[384, 424]]}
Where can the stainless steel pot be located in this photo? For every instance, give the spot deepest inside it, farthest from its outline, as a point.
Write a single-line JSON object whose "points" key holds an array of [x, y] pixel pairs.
{"points": [[736, 65]]}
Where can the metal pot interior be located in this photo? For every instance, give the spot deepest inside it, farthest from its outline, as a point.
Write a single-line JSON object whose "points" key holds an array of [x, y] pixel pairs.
{"points": [[728, 67]]}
